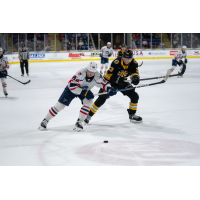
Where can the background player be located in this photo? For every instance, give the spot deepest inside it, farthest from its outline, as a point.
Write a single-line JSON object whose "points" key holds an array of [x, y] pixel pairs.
{"points": [[4, 66], [24, 58], [79, 86], [106, 52], [119, 70], [178, 59], [123, 48]]}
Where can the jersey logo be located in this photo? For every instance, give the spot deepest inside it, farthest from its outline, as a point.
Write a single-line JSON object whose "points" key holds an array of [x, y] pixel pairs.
{"points": [[123, 73], [111, 69], [64, 100], [116, 62]]}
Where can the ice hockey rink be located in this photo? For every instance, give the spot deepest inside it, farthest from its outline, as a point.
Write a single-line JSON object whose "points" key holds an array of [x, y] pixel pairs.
{"points": [[169, 134]]}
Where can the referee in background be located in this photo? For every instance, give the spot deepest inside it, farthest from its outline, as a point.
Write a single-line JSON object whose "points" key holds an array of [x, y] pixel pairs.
{"points": [[24, 57]]}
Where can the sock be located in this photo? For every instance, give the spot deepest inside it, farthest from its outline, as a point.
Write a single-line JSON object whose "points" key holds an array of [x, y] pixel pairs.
{"points": [[93, 110], [83, 113], [4, 85], [133, 107], [102, 66], [106, 68]]}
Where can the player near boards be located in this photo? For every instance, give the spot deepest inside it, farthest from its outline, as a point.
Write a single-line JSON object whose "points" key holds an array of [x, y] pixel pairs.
{"points": [[120, 69], [4, 66], [24, 58], [123, 48], [177, 60], [80, 86], [106, 52]]}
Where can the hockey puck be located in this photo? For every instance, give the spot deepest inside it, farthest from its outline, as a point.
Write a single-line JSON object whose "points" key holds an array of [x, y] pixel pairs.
{"points": [[105, 141]]}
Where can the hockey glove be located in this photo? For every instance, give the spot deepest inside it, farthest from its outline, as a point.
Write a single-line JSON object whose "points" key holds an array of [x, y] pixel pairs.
{"points": [[185, 60], [180, 62], [111, 91], [174, 62], [135, 80], [109, 54], [87, 94], [4, 72], [100, 54]]}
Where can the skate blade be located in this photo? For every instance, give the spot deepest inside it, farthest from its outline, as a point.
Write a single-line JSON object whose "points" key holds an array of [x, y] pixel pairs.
{"points": [[136, 122], [77, 129], [42, 128]]}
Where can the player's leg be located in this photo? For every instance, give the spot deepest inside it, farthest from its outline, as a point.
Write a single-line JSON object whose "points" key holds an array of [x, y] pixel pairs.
{"points": [[83, 114], [4, 85], [22, 67], [64, 100], [174, 64], [134, 97], [102, 64], [106, 65], [96, 105], [26, 67]]}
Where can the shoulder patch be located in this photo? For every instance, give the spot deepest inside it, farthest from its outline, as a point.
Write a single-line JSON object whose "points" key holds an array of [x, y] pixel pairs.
{"points": [[116, 62]]}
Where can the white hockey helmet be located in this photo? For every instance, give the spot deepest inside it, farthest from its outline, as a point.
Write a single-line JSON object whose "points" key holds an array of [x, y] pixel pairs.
{"points": [[184, 47], [1, 49], [92, 67], [109, 43]]}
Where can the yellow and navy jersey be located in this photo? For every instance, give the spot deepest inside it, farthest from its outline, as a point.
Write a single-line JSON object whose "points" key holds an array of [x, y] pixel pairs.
{"points": [[119, 69], [120, 53]]}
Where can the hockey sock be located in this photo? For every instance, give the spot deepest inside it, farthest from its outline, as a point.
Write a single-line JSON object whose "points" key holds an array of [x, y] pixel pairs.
{"points": [[106, 67], [172, 69], [133, 107], [102, 66], [83, 113], [93, 110], [53, 111], [4, 85]]}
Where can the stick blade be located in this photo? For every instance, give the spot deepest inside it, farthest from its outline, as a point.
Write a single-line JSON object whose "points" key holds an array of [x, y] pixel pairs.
{"points": [[27, 82], [167, 75]]}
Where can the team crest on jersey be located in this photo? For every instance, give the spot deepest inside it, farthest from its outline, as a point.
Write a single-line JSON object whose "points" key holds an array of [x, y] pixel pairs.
{"points": [[116, 62], [122, 73]]}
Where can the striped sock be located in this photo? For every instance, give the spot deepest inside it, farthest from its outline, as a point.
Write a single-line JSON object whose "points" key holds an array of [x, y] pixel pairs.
{"points": [[4, 85], [52, 113], [83, 112], [93, 109], [133, 107]]}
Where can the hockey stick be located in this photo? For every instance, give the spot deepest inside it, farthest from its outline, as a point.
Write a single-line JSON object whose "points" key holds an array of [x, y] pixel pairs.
{"points": [[163, 81], [180, 74], [17, 80], [141, 64]]}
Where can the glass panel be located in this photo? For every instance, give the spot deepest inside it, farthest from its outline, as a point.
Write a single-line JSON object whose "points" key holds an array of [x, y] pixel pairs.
{"points": [[15, 42], [166, 40], [9, 43], [195, 40], [105, 38], [128, 40], [118, 40], [186, 40], [82, 41], [136, 40], [30, 41], [156, 40], [39, 41], [63, 38], [176, 40], [71, 41], [47, 46], [146, 40], [58, 42], [94, 40], [22, 39]]}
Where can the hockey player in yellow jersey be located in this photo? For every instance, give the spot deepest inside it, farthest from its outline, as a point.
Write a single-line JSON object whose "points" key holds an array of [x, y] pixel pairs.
{"points": [[120, 69], [123, 48]]}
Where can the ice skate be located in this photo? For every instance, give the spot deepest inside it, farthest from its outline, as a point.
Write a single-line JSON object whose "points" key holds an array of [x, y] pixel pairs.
{"points": [[22, 75], [6, 94], [180, 76], [27, 74], [104, 71], [101, 72], [78, 126], [87, 120], [134, 118], [43, 125]]}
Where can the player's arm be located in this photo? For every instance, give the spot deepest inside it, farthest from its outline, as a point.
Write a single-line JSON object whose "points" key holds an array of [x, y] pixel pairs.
{"points": [[109, 75], [74, 85], [20, 55], [119, 54], [135, 77]]}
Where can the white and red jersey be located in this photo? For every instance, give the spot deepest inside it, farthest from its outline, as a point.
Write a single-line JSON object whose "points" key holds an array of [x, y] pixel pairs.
{"points": [[179, 55], [106, 51], [4, 64], [79, 80]]}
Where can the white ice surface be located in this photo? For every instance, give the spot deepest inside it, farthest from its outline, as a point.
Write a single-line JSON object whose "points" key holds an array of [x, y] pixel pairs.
{"points": [[169, 134]]}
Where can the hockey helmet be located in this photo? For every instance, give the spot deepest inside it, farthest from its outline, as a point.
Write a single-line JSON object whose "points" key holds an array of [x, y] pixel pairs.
{"points": [[128, 54], [1, 49], [184, 47], [123, 45], [109, 43], [92, 67]]}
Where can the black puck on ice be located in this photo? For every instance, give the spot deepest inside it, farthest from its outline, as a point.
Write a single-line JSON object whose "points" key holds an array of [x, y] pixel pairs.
{"points": [[105, 141]]}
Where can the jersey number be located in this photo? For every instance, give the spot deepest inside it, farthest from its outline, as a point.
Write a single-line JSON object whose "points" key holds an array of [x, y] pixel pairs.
{"points": [[111, 69]]}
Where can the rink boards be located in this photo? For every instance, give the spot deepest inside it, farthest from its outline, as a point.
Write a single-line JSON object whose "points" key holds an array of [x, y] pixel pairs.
{"points": [[94, 55]]}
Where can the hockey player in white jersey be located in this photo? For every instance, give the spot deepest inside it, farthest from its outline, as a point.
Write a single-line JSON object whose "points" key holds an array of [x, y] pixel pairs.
{"points": [[178, 59], [79, 86], [4, 66], [106, 52]]}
